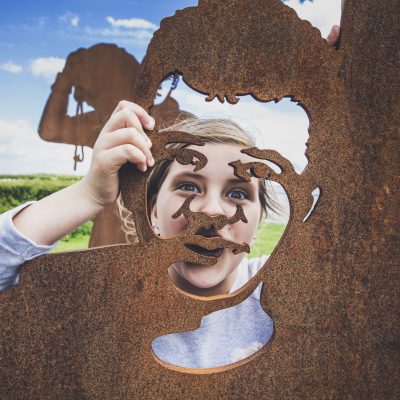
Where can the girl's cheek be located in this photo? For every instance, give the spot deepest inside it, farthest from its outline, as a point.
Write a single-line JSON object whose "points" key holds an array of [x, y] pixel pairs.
{"points": [[176, 225]]}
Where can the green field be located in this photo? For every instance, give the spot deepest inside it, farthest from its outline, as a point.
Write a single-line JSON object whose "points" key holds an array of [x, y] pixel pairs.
{"points": [[18, 189], [268, 236], [77, 243]]}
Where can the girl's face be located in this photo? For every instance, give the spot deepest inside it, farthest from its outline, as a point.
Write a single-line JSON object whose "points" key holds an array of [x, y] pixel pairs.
{"points": [[217, 191]]}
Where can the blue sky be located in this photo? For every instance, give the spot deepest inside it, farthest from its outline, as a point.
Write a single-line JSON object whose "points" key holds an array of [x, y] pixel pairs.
{"points": [[36, 37], [41, 29]]}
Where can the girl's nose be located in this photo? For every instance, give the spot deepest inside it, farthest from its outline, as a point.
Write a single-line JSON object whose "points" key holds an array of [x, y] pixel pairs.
{"points": [[211, 204]]}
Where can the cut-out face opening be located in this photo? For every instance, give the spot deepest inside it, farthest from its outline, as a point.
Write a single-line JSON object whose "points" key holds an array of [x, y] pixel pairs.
{"points": [[225, 337], [228, 188], [214, 190], [218, 190]]}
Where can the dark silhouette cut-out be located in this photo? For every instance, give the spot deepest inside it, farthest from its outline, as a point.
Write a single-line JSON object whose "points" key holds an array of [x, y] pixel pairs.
{"points": [[99, 76]]}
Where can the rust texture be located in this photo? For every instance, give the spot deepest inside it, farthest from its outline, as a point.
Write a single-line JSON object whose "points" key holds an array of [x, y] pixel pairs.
{"points": [[79, 325], [99, 76]]}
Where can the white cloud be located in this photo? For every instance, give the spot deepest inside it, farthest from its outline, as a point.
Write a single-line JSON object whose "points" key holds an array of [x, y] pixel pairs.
{"points": [[74, 21], [11, 68], [22, 151], [135, 31], [322, 14], [122, 35], [70, 18], [47, 67], [132, 23], [139, 35]]}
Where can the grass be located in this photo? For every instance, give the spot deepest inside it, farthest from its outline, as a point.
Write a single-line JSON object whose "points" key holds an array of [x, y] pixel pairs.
{"points": [[268, 236], [76, 243], [76, 240]]}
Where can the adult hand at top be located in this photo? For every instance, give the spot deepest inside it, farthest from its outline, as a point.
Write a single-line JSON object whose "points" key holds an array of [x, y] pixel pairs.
{"points": [[333, 36]]}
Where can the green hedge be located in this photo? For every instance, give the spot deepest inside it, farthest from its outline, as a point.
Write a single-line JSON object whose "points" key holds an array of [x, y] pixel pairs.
{"points": [[83, 230], [41, 177], [18, 189]]}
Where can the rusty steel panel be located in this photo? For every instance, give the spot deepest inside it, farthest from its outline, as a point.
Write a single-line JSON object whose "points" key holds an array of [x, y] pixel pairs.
{"points": [[79, 325]]}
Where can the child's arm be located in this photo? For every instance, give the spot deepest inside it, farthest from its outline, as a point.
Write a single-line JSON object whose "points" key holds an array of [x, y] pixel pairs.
{"points": [[15, 249], [122, 139]]}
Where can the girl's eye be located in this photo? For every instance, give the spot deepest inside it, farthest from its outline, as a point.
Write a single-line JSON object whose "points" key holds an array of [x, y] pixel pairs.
{"points": [[238, 195], [189, 187]]}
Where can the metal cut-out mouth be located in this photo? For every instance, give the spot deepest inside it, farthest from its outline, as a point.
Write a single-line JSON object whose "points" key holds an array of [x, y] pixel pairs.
{"points": [[205, 252]]}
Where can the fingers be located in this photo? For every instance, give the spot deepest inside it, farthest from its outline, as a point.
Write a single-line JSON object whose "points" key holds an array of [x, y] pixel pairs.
{"points": [[145, 119], [117, 156], [333, 36], [132, 137], [123, 139], [125, 118]]}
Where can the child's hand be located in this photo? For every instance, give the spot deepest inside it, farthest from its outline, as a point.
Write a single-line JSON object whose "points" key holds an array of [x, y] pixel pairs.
{"points": [[122, 139]]}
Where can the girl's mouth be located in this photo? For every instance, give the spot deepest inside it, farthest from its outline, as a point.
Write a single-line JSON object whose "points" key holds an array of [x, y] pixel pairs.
{"points": [[205, 252]]}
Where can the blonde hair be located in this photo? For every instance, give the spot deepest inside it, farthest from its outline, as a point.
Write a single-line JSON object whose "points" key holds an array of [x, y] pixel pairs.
{"points": [[209, 131]]}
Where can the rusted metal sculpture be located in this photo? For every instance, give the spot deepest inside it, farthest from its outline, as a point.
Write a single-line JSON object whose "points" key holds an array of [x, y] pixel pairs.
{"points": [[79, 325], [99, 76]]}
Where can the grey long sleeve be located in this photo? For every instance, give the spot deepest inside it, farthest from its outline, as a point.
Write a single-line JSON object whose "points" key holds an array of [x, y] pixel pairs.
{"points": [[15, 248]]}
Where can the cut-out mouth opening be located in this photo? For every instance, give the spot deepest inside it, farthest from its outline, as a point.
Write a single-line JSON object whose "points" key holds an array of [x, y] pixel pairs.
{"points": [[208, 231], [205, 252]]}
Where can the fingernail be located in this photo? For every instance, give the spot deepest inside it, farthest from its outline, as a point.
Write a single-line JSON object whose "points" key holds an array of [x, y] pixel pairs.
{"points": [[144, 168], [149, 142], [151, 162], [151, 122]]}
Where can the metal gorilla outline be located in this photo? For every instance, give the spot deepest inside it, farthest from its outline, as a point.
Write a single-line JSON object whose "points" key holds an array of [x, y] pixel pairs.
{"points": [[127, 288], [80, 324]]}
